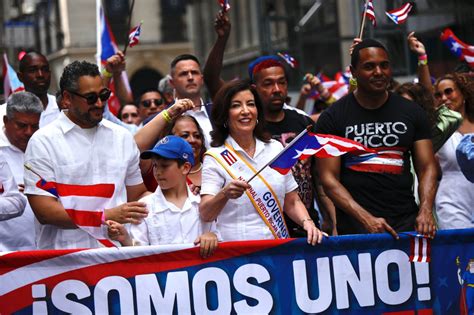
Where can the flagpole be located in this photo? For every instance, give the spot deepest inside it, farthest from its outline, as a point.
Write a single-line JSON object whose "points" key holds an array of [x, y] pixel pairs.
{"points": [[302, 133], [129, 25], [361, 32], [98, 33]]}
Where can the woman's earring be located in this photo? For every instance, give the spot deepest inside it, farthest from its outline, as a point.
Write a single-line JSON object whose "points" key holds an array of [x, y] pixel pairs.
{"points": [[225, 125], [257, 121]]}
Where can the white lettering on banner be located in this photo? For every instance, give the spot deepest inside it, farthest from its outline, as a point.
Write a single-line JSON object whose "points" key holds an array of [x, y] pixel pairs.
{"points": [[61, 301], [113, 283], [263, 297], [362, 284], [369, 279], [377, 134], [345, 277], [224, 299], [176, 290]]}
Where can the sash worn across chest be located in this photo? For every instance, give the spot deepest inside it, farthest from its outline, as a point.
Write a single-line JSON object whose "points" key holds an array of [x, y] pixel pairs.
{"points": [[262, 196]]}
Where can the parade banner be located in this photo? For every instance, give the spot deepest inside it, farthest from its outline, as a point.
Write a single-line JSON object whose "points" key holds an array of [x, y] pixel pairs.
{"points": [[360, 274]]}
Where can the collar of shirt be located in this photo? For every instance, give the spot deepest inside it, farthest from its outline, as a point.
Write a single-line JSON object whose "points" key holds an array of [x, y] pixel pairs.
{"points": [[259, 146], [4, 142], [52, 106], [66, 124], [160, 203]]}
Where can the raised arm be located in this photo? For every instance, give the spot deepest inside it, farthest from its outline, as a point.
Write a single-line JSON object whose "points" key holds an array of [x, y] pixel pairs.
{"points": [[418, 48], [113, 68], [329, 170], [213, 66]]}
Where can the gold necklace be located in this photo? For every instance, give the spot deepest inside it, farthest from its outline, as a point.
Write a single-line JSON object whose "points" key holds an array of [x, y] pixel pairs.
{"points": [[199, 169]]}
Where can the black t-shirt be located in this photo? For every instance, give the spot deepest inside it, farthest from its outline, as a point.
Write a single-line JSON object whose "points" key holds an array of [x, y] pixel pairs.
{"points": [[285, 131], [381, 184]]}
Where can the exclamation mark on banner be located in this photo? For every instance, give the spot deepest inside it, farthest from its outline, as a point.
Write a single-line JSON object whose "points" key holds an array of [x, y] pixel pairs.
{"points": [[422, 275]]}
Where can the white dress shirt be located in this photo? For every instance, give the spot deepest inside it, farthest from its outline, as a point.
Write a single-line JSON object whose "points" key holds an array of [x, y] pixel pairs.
{"points": [[12, 202], [18, 233], [239, 220], [63, 152], [168, 224]]}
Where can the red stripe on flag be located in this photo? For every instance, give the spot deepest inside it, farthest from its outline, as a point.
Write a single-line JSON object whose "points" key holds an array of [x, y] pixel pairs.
{"points": [[421, 244], [412, 248], [97, 190], [428, 250], [106, 243], [85, 218]]}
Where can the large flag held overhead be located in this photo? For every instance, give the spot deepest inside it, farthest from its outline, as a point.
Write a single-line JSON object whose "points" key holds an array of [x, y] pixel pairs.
{"points": [[84, 204], [11, 83], [460, 49], [107, 48], [307, 144], [370, 12], [399, 16]]}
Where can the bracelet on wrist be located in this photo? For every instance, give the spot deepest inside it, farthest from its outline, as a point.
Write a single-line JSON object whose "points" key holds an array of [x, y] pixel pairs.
{"points": [[423, 57], [422, 62], [166, 116], [106, 73]]}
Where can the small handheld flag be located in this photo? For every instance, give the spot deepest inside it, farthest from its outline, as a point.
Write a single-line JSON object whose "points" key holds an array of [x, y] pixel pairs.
{"points": [[289, 60], [134, 35], [399, 16], [225, 6], [460, 49], [11, 83], [307, 144], [370, 12]]}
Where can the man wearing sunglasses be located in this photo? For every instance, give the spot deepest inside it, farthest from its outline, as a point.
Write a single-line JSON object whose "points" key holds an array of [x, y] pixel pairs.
{"points": [[149, 102], [85, 153]]}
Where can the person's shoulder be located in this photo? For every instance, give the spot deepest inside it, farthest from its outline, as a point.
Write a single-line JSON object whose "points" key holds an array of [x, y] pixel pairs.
{"points": [[116, 128], [274, 144], [402, 102]]}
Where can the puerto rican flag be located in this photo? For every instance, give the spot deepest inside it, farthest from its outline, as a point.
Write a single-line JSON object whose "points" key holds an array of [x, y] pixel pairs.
{"points": [[460, 49], [370, 13], [108, 48], [134, 35], [307, 144], [11, 83], [388, 160], [84, 204], [228, 157], [399, 16], [289, 60], [420, 248], [224, 5]]}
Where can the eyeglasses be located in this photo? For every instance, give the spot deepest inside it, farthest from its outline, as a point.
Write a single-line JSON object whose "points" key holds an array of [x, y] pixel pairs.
{"points": [[126, 115], [446, 91], [157, 101], [92, 98]]}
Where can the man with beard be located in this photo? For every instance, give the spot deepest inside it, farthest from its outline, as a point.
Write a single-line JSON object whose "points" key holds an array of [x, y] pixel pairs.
{"points": [[79, 154], [373, 194], [35, 74]]}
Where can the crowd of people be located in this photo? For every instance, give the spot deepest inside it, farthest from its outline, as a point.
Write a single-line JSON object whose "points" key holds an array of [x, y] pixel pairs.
{"points": [[174, 168]]}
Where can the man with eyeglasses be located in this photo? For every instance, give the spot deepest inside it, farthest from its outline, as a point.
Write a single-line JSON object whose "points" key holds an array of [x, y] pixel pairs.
{"points": [[82, 152], [35, 74]]}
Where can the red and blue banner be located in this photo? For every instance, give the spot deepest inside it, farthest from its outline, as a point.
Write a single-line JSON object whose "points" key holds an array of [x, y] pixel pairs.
{"points": [[356, 274]]}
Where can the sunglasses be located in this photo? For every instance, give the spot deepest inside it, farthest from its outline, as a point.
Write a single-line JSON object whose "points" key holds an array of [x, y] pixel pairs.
{"points": [[147, 103], [126, 115], [92, 98], [447, 92]]}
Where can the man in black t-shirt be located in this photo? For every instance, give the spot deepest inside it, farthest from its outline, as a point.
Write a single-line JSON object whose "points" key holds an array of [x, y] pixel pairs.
{"points": [[284, 123], [373, 194]]}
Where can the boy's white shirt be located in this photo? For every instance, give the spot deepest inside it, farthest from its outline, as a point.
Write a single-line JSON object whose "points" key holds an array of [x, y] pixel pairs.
{"points": [[168, 224]]}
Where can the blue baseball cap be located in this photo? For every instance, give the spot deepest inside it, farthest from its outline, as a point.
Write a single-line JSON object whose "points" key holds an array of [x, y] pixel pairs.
{"points": [[465, 156], [171, 147]]}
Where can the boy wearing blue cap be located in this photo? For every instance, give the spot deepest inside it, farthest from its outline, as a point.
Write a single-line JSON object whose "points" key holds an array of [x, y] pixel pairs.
{"points": [[173, 216]]}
